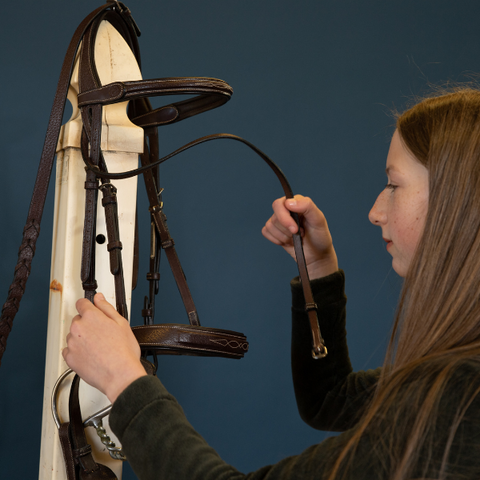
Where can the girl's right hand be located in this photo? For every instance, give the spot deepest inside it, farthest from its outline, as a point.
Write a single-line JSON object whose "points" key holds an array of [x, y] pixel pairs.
{"points": [[320, 255]]}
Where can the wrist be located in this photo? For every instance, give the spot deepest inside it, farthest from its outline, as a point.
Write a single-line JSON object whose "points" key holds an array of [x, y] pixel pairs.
{"points": [[323, 266], [122, 380]]}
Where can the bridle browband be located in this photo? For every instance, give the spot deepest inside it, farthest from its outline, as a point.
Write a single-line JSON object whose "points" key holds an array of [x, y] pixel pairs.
{"points": [[183, 339]]}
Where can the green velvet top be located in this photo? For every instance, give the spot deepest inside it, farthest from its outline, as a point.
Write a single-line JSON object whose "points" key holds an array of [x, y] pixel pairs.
{"points": [[162, 445]]}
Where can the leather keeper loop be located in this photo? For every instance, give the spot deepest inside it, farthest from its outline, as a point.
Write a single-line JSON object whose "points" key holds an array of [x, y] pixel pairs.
{"points": [[81, 452], [193, 318], [88, 287], [104, 95], [91, 185], [114, 246], [168, 243], [147, 312], [153, 276], [108, 200], [310, 306]]}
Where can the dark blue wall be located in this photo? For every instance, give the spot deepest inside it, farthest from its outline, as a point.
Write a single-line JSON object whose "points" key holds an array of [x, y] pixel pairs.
{"points": [[315, 83]]}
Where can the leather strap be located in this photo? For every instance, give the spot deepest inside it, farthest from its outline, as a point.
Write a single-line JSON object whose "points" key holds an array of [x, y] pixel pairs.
{"points": [[91, 116], [212, 94], [166, 242], [85, 466], [114, 246], [177, 339], [318, 347], [67, 450], [92, 102], [31, 230]]}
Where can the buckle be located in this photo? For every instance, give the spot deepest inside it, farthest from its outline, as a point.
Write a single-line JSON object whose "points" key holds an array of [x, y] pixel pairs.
{"points": [[127, 15], [311, 306]]}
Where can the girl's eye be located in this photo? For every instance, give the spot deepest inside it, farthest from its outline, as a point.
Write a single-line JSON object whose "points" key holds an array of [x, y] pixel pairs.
{"points": [[390, 186]]}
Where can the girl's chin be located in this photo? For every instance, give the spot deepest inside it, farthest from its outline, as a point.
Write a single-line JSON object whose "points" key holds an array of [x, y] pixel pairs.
{"points": [[399, 268]]}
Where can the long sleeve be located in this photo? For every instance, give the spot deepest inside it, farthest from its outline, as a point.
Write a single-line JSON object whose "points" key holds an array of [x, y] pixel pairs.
{"points": [[161, 444], [329, 396]]}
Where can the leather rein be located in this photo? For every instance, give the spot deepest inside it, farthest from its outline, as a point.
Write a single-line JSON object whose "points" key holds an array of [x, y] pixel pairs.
{"points": [[179, 339]]}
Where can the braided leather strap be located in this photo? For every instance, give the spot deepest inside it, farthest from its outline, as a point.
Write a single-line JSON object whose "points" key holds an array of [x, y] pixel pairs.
{"points": [[34, 218]]}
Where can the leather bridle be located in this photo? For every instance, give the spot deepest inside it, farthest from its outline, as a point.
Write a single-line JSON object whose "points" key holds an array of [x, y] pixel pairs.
{"points": [[184, 339]]}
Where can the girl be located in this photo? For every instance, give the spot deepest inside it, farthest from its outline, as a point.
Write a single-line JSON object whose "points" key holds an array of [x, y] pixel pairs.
{"points": [[419, 415]]}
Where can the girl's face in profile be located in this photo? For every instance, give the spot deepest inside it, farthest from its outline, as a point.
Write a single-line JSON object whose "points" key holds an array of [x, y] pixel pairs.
{"points": [[401, 208]]}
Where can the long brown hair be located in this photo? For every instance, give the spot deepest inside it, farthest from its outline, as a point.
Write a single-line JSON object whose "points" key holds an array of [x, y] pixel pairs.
{"points": [[437, 325]]}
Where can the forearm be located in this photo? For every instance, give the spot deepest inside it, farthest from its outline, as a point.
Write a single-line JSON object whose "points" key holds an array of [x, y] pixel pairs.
{"points": [[160, 443], [318, 382]]}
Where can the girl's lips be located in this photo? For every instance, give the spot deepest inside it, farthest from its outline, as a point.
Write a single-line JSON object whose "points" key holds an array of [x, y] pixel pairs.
{"points": [[389, 243]]}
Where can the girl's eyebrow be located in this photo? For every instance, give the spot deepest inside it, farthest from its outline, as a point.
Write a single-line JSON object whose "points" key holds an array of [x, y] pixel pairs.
{"points": [[390, 169]]}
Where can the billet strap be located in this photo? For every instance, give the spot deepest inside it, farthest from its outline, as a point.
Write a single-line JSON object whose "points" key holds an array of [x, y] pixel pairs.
{"points": [[114, 246], [167, 244]]}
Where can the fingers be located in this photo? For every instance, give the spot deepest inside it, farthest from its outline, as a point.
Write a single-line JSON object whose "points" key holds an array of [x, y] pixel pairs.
{"points": [[107, 308], [280, 227], [84, 307], [282, 219], [307, 209]]}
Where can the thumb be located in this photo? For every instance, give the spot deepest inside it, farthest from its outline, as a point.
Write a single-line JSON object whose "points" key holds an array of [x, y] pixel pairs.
{"points": [[297, 204], [106, 307], [305, 207]]}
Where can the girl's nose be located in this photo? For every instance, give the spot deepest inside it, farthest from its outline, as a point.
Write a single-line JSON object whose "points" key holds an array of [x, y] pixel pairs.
{"points": [[377, 214]]}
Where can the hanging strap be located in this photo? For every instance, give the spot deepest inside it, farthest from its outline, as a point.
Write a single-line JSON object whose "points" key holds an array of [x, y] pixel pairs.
{"points": [[31, 230]]}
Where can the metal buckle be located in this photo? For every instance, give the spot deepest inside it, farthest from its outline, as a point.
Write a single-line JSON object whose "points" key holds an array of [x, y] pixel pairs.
{"points": [[319, 352], [94, 420]]}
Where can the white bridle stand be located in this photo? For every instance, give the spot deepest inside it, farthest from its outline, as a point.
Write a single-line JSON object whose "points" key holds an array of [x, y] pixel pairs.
{"points": [[121, 143]]}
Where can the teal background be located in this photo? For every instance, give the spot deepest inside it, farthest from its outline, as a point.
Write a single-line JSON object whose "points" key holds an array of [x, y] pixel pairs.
{"points": [[315, 85]]}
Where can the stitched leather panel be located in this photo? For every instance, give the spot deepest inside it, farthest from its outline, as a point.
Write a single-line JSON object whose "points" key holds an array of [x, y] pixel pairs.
{"points": [[190, 340]]}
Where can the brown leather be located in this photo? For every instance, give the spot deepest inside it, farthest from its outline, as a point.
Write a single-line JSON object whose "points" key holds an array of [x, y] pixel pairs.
{"points": [[92, 96], [167, 244], [176, 339], [85, 466], [154, 339], [212, 93], [67, 450], [114, 246], [318, 348], [34, 217], [91, 104]]}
